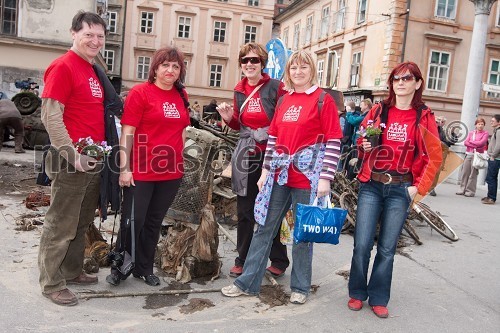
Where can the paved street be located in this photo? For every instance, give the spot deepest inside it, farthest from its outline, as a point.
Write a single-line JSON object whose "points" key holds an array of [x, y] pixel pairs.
{"points": [[440, 286]]}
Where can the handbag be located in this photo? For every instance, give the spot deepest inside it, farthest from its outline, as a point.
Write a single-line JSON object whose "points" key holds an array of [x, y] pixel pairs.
{"points": [[318, 224], [480, 160]]}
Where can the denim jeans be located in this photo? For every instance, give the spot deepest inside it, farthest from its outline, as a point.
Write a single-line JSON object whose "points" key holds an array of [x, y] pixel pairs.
{"points": [[255, 264], [492, 179], [389, 203]]}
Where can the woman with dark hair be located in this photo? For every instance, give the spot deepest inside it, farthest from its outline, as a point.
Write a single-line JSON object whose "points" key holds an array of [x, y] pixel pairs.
{"points": [[404, 163], [151, 162], [255, 98], [476, 142]]}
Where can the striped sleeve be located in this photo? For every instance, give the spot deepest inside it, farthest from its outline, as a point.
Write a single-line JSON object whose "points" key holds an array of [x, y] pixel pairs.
{"points": [[332, 155], [271, 142]]}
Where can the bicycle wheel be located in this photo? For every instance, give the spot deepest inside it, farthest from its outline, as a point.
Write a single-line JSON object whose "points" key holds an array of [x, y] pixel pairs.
{"points": [[349, 202], [435, 221], [336, 202], [411, 232]]}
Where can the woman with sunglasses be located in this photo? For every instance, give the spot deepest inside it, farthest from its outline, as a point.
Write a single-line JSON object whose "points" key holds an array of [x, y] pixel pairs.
{"points": [[255, 98], [300, 161], [403, 164]]}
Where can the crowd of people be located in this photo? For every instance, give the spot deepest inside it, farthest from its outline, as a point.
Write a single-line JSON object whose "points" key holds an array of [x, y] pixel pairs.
{"points": [[273, 168]]}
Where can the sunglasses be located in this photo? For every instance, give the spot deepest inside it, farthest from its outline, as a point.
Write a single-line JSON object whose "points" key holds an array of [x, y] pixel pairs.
{"points": [[253, 60], [406, 78]]}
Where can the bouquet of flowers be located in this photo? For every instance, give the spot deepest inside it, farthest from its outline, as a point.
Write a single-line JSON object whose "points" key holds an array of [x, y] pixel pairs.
{"points": [[97, 150], [370, 130]]}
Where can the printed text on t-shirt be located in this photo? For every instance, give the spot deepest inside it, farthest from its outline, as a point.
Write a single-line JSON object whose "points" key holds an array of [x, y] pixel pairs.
{"points": [[292, 114], [254, 105], [95, 88], [170, 110], [397, 132]]}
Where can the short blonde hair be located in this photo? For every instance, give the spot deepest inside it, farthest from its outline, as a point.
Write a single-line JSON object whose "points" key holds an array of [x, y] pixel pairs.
{"points": [[300, 57]]}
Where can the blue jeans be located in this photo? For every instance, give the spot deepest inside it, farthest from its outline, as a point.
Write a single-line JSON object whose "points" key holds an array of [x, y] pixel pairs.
{"points": [[389, 203], [255, 264], [492, 178]]}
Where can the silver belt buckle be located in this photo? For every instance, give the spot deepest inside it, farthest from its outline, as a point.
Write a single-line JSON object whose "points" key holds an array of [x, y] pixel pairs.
{"points": [[390, 178]]}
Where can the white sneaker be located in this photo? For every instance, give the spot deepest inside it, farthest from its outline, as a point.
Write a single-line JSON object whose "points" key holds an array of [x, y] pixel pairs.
{"points": [[298, 298], [233, 291]]}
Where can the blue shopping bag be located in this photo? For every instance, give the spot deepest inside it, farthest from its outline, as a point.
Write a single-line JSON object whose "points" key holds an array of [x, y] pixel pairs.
{"points": [[318, 224]]}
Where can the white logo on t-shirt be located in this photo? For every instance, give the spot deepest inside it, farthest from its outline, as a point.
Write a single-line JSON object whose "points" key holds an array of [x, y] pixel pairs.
{"points": [[292, 114], [397, 132], [254, 105], [95, 88], [170, 110]]}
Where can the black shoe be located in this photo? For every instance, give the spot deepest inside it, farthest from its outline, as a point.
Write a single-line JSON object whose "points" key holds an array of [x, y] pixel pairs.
{"points": [[151, 279], [113, 279]]}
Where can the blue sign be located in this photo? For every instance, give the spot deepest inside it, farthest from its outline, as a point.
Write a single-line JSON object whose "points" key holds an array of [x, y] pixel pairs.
{"points": [[277, 57]]}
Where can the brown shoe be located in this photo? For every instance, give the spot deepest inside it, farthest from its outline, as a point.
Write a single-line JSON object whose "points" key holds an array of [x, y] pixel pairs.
{"points": [[83, 280], [62, 297], [488, 201]]}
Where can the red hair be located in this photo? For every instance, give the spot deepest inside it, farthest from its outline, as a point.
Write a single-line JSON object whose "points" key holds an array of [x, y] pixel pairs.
{"points": [[167, 53], [411, 67]]}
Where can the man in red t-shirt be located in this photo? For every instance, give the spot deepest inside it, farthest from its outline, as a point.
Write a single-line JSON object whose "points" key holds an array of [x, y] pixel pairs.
{"points": [[72, 109]]}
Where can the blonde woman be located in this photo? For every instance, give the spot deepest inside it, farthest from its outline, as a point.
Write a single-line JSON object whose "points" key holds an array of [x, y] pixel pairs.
{"points": [[300, 128]]}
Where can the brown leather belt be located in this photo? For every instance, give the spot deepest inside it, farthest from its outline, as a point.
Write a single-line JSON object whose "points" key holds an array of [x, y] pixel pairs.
{"points": [[387, 178]]}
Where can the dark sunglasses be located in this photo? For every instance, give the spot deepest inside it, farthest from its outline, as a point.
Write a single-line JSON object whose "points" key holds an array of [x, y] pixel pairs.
{"points": [[253, 60], [406, 78]]}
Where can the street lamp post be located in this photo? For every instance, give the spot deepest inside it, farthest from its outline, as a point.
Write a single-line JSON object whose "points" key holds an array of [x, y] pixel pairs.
{"points": [[472, 91]]}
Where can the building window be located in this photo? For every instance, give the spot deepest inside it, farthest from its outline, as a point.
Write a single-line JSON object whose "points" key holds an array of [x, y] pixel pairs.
{"points": [[340, 20], [8, 17], [219, 31], [355, 69], [250, 33], [439, 67], [446, 9], [109, 58], [285, 37], [147, 22], [143, 67], [321, 68], [184, 27], [333, 69], [113, 22], [325, 21], [498, 17], [494, 77], [309, 29], [222, 0], [215, 75], [361, 11], [253, 2], [296, 36]]}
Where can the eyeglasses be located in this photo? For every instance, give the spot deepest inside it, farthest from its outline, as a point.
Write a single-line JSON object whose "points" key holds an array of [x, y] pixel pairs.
{"points": [[253, 60], [406, 78]]}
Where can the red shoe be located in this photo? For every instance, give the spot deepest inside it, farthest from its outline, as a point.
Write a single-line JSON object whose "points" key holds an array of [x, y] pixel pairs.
{"points": [[355, 304], [275, 272], [236, 271], [380, 311]]}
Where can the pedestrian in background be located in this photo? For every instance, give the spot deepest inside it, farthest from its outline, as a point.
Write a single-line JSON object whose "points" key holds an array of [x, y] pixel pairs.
{"points": [[72, 88], [354, 119], [255, 98], [297, 168], [476, 141], [151, 161], [10, 117], [391, 175], [446, 143], [493, 162]]}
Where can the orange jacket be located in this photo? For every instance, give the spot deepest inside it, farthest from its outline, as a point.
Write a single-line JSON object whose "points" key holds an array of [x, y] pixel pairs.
{"points": [[429, 155]]}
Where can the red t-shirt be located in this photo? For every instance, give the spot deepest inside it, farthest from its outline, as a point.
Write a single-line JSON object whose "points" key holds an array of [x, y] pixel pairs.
{"points": [[298, 123], [71, 80], [159, 117], [398, 141]]}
